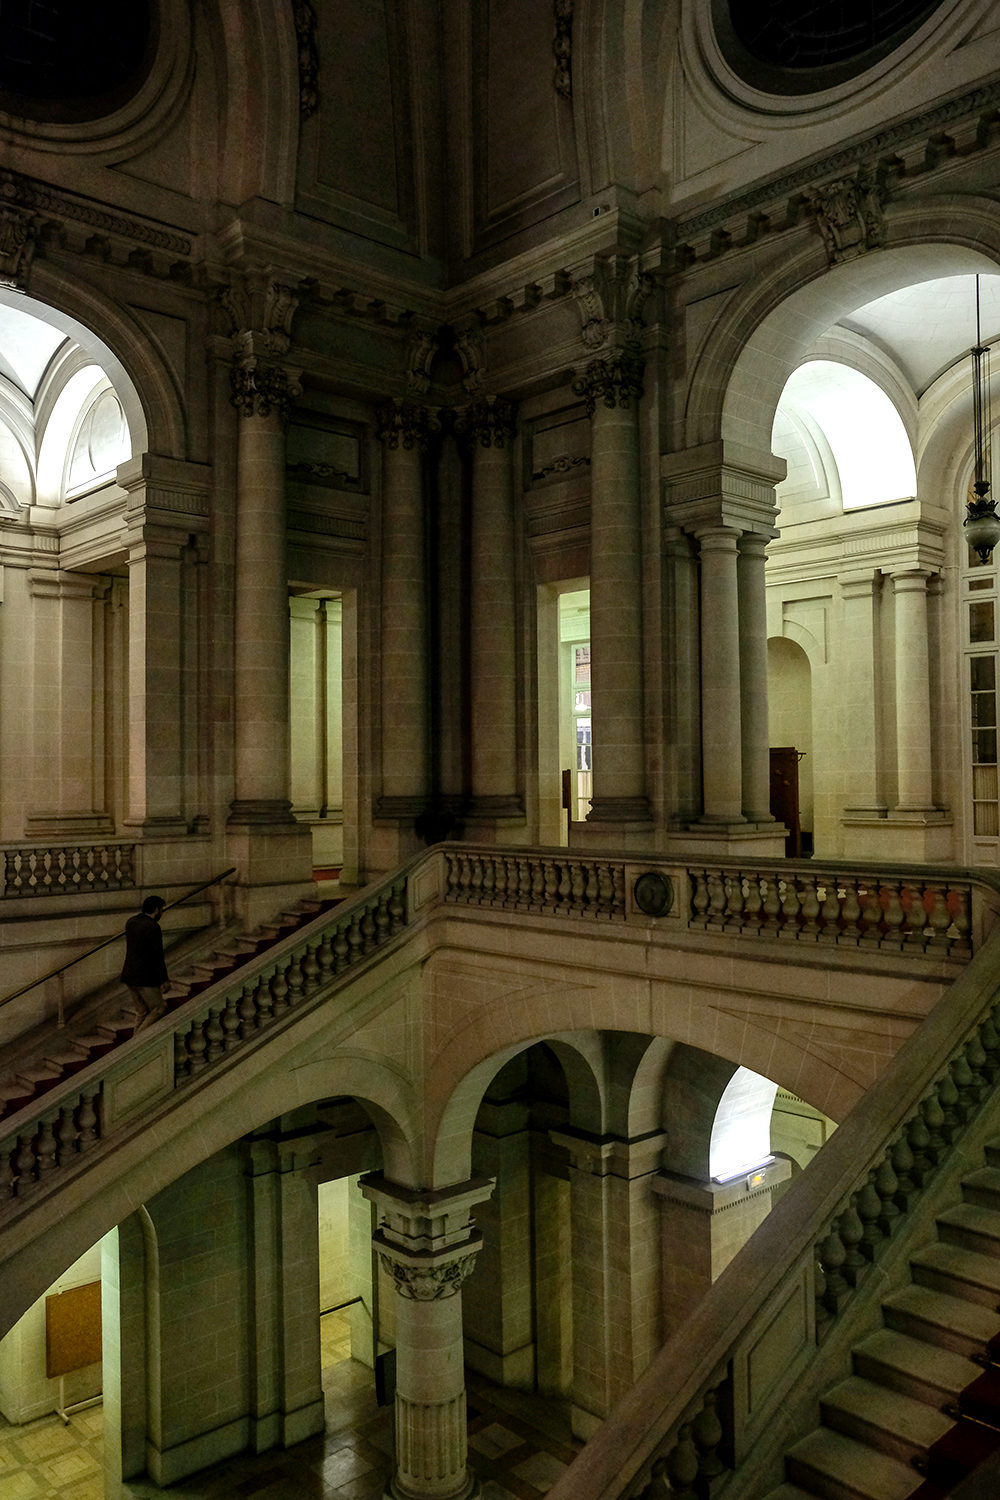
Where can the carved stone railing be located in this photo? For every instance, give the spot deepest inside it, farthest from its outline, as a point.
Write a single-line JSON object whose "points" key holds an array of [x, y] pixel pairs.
{"points": [[715, 1410], [63, 869], [45, 1141], [553, 883]]}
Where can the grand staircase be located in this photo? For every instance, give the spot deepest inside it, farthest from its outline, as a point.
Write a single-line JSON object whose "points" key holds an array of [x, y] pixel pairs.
{"points": [[920, 1402], [43, 1059]]}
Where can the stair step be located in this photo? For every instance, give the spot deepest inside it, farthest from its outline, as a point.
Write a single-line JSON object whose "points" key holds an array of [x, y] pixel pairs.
{"points": [[971, 1225], [992, 1153], [788, 1491], [983, 1187], [960, 1272], [955, 1324], [914, 1367], [836, 1467], [884, 1419]]}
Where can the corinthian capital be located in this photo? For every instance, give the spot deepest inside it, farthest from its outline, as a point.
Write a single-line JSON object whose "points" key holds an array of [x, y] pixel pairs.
{"points": [[614, 381], [260, 389], [17, 246], [405, 424], [432, 1282], [490, 423]]}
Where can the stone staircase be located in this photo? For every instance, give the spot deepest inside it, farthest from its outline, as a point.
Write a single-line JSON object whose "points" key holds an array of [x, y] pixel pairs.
{"points": [[42, 1059], [922, 1408]]}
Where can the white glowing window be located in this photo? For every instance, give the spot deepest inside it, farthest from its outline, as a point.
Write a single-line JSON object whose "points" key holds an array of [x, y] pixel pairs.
{"points": [[863, 429], [101, 443], [741, 1131]]}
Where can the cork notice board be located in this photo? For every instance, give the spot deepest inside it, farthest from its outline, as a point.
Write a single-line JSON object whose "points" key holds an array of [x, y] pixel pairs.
{"points": [[73, 1329]]}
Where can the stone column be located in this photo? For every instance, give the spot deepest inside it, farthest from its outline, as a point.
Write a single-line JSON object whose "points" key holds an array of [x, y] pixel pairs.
{"points": [[721, 706], [307, 698], [489, 426], [427, 1244], [67, 787], [263, 395], [406, 764], [913, 692], [612, 388], [615, 1231], [860, 691], [499, 1337], [755, 762]]}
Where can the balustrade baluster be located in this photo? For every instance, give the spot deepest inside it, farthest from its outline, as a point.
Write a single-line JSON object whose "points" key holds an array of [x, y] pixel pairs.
{"points": [[464, 878], [869, 898], [886, 1184], [607, 888], [451, 877], [380, 912], [523, 884], [265, 1000], [699, 898], [832, 1256], [489, 880], [948, 1099], [231, 1022], [309, 963], [397, 907], [919, 1138], [342, 950], [903, 1164], [537, 885], [87, 1117], [809, 931], [829, 931], [46, 1145], [551, 881], [500, 882], [990, 1041], [355, 939], [8, 1176], [24, 1165], [476, 881], [894, 916], [578, 882], [215, 1036], [716, 902], [961, 1076], [706, 1432], [197, 1046], [658, 1487], [869, 1207], [180, 1058], [279, 987], [934, 1119], [368, 930], [916, 917], [753, 905], [734, 903], [325, 955], [593, 884], [248, 1009], [850, 911], [939, 917], [682, 1465], [852, 1232], [790, 908], [975, 1056], [66, 1133], [962, 921], [565, 884], [772, 906]]}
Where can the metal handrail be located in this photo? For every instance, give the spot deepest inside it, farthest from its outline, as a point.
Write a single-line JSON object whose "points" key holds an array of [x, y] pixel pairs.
{"points": [[54, 973]]}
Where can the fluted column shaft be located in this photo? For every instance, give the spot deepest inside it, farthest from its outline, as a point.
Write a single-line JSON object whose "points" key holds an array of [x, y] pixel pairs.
{"points": [[721, 708], [427, 1245], [404, 430], [262, 748], [913, 691], [756, 768], [612, 388], [490, 427]]}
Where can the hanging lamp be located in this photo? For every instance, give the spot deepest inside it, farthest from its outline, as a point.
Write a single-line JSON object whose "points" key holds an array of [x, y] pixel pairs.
{"points": [[982, 525]]}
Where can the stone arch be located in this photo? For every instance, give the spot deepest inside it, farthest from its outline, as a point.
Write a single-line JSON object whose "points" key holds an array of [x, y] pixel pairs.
{"points": [[260, 84], [767, 329], [579, 1056]]}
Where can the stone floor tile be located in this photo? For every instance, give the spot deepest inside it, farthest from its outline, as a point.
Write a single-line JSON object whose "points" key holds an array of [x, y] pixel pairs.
{"points": [[46, 1442], [90, 1489], [541, 1471], [365, 1487], [493, 1440], [342, 1466], [21, 1486], [66, 1467]]}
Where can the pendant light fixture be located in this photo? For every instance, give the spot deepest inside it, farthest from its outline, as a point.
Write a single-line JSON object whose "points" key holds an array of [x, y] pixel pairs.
{"points": [[982, 525]]}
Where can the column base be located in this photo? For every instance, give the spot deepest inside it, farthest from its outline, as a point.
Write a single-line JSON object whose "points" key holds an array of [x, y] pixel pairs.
{"points": [[471, 1490], [620, 810], [259, 812], [74, 825], [158, 828], [710, 841], [917, 835]]}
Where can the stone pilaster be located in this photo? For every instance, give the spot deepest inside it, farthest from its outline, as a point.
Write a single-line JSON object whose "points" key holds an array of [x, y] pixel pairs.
{"points": [[755, 759], [861, 692], [405, 429], [498, 1323], [427, 1244], [913, 694], [721, 711], [489, 427], [611, 387], [615, 1232]]}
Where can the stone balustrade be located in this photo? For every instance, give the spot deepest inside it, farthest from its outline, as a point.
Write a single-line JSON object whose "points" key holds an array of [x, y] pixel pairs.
{"points": [[66, 869]]}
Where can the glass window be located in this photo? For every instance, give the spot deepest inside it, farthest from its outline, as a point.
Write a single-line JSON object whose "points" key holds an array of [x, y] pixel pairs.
{"points": [[981, 625]]}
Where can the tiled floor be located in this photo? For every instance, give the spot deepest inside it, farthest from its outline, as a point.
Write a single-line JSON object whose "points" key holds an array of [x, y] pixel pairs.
{"points": [[518, 1446]]}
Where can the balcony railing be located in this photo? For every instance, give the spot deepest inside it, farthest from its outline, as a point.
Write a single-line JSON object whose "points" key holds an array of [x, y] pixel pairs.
{"points": [[65, 869]]}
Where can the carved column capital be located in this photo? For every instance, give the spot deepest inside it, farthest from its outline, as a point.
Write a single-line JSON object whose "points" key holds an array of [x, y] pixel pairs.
{"points": [[260, 389], [850, 215], [614, 381], [490, 423], [432, 1278], [405, 424]]}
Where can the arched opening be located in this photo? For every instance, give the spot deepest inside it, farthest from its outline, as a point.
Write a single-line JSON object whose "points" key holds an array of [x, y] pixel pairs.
{"points": [[789, 697]]}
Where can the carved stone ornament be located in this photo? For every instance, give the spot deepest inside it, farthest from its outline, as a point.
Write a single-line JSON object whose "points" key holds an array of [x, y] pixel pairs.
{"points": [[562, 48], [421, 350], [471, 350], [612, 295], [259, 390], [17, 246], [305, 36], [615, 381], [850, 216], [488, 423], [563, 464], [259, 307], [429, 1283], [404, 423]]}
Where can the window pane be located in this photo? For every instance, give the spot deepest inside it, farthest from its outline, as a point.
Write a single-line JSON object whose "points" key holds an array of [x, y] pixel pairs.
{"points": [[981, 620], [983, 674], [984, 746], [984, 783], [984, 710], [980, 583], [985, 820]]}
